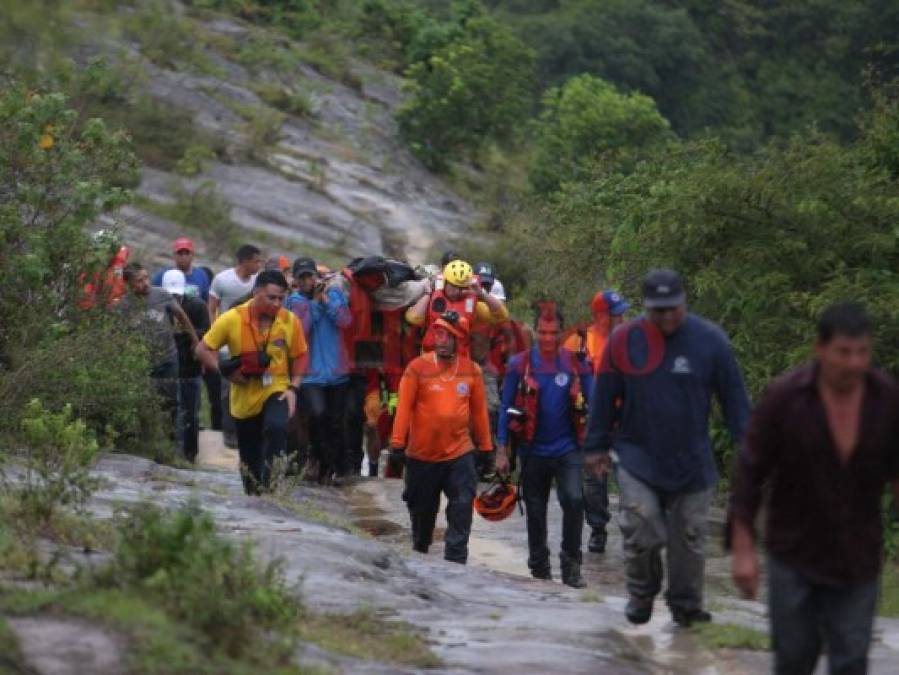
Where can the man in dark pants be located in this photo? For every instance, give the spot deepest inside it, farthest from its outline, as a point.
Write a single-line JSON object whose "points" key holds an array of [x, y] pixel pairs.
{"points": [[153, 314], [824, 440], [270, 352], [441, 397], [651, 404], [553, 454], [323, 313], [189, 381]]}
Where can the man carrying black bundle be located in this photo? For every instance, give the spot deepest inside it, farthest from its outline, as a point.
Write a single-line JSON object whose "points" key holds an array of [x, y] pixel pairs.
{"points": [[270, 359]]}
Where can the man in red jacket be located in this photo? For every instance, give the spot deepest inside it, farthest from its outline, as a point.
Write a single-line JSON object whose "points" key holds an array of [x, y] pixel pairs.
{"points": [[441, 398]]}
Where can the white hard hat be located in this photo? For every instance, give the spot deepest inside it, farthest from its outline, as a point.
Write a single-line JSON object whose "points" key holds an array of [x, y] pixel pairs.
{"points": [[173, 281]]}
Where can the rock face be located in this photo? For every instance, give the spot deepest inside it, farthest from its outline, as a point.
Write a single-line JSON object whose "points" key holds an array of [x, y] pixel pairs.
{"points": [[59, 646], [336, 179]]}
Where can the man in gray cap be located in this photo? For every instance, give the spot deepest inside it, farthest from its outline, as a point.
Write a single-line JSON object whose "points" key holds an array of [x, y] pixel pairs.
{"points": [[650, 414]]}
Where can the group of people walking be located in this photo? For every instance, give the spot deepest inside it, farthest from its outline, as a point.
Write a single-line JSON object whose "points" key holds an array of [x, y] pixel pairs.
{"points": [[428, 365]]}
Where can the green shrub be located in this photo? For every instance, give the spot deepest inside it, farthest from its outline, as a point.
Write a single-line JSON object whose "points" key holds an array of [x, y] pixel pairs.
{"points": [[261, 129], [329, 53], [263, 52], [298, 17], [59, 453], [57, 176], [477, 88], [160, 133], [204, 211], [584, 119], [201, 577], [286, 99], [194, 160], [101, 371], [165, 37]]}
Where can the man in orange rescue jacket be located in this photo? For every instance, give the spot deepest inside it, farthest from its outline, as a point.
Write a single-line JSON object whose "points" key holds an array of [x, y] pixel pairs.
{"points": [[441, 396]]}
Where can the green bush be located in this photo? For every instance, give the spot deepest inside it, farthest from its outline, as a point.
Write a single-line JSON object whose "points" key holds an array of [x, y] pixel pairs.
{"points": [[287, 99], [57, 176], [166, 38], [202, 578], [160, 133], [477, 88], [59, 453], [584, 119], [298, 17], [101, 371], [194, 160]]}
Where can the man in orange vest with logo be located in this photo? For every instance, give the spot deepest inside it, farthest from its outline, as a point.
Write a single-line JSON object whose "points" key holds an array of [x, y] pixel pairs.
{"points": [[607, 308], [269, 356], [461, 293], [441, 399]]}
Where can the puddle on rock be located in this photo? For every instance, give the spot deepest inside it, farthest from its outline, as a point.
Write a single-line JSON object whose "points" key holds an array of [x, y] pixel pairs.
{"points": [[379, 527]]}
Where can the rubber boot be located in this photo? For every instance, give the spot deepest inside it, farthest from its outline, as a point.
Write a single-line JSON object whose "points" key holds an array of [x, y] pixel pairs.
{"points": [[571, 571]]}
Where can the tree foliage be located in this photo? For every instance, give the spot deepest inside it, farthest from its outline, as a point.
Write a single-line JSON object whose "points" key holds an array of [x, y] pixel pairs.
{"points": [[584, 119], [57, 176], [476, 88], [765, 242]]}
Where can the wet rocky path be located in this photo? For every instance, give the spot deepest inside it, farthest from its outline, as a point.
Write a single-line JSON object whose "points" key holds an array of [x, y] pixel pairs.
{"points": [[487, 617]]}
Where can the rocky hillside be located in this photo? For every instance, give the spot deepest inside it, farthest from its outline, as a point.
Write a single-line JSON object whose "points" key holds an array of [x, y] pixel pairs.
{"points": [[298, 140]]}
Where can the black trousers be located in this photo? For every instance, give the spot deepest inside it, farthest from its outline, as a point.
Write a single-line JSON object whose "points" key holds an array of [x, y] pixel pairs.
{"points": [[213, 382], [325, 406], [354, 423], [425, 481], [537, 475], [189, 391], [259, 440]]}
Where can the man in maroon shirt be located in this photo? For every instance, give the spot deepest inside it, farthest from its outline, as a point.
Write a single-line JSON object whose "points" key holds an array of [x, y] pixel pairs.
{"points": [[825, 439]]}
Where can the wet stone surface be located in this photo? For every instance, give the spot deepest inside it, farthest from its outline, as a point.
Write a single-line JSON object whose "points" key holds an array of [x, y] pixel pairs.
{"points": [[487, 617]]}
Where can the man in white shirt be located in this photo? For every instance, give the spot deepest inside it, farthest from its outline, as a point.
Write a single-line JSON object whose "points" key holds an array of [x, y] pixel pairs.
{"points": [[229, 288]]}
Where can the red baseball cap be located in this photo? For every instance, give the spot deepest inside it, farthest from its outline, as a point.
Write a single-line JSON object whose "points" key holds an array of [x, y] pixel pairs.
{"points": [[183, 244]]}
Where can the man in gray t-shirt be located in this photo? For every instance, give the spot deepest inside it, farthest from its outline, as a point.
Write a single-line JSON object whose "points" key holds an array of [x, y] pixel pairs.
{"points": [[152, 313]]}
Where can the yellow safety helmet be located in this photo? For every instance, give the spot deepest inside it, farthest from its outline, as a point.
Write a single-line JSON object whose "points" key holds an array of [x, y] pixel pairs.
{"points": [[458, 273]]}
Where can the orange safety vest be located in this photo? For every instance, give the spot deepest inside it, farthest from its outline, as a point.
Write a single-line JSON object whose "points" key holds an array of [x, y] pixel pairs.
{"points": [[438, 305]]}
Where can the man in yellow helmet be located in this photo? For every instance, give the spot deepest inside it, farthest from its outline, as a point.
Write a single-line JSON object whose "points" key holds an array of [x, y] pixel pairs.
{"points": [[462, 293]]}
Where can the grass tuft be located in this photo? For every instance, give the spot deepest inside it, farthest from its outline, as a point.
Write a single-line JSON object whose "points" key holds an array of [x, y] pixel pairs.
{"points": [[731, 636]]}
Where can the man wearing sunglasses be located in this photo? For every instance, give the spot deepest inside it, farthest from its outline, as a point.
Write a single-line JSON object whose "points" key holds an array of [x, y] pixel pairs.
{"points": [[650, 405]]}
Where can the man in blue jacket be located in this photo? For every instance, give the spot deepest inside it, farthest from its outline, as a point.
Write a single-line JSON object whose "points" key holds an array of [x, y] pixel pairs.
{"points": [[650, 405], [553, 452], [323, 311]]}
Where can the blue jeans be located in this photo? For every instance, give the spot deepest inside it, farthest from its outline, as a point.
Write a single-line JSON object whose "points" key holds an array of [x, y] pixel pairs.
{"points": [[805, 615], [651, 520], [537, 475]]}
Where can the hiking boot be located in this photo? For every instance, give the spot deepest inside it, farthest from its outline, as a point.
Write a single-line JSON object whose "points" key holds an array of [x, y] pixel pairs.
{"points": [[638, 610], [597, 543], [571, 571], [544, 573], [687, 617]]}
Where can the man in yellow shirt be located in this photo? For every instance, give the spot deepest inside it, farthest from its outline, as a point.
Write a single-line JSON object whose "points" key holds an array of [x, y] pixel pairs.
{"points": [[269, 357]]}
